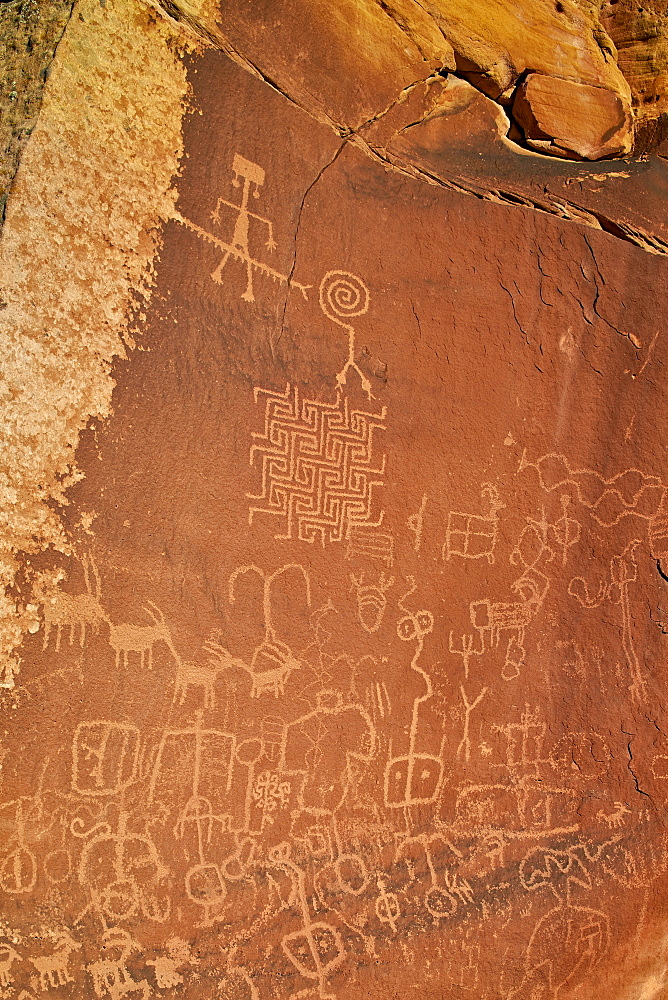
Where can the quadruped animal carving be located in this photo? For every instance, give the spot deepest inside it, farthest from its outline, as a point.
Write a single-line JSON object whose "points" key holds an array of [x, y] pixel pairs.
{"points": [[74, 611], [53, 969], [111, 975], [126, 639]]}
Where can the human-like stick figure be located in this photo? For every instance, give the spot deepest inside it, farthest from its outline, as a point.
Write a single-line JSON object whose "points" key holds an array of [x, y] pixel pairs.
{"points": [[249, 177], [253, 178]]}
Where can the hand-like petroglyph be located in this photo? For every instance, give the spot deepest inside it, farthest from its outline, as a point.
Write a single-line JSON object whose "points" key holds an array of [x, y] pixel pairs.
{"points": [[238, 248], [317, 465], [8, 956], [104, 757], [473, 536], [415, 524], [371, 600], [609, 500], [75, 610], [413, 778], [111, 975], [273, 661], [465, 742], [53, 969], [126, 639], [369, 543], [342, 297], [623, 572], [316, 949]]}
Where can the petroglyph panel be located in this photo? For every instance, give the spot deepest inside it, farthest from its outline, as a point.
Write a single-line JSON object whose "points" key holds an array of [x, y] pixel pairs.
{"points": [[346, 679]]}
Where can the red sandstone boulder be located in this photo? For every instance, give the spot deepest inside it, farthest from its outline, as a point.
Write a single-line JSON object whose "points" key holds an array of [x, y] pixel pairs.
{"points": [[569, 119]]}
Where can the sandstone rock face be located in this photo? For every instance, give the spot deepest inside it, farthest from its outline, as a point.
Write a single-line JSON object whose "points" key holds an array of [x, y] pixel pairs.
{"points": [[572, 119], [334, 541]]}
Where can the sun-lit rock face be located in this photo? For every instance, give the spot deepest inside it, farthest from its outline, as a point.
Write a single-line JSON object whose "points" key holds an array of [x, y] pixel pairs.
{"points": [[334, 501]]}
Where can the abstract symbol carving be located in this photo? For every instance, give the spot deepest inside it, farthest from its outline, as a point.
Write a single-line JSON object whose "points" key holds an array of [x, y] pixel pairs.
{"points": [[239, 248], [342, 297], [317, 466], [104, 757], [371, 601], [369, 543], [472, 536], [609, 500], [414, 778]]}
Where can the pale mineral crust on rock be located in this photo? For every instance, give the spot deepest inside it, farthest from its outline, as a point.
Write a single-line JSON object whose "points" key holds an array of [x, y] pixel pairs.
{"points": [[333, 500]]}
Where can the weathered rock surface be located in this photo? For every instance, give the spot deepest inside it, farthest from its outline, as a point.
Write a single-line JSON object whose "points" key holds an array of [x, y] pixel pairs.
{"points": [[334, 510], [572, 119]]}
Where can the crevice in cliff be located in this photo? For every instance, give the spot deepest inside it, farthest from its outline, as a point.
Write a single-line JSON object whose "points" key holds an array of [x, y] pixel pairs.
{"points": [[629, 764], [204, 34], [274, 341], [565, 210]]}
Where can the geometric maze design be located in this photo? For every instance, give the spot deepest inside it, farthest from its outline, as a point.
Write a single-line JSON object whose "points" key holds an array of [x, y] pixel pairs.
{"points": [[316, 460]]}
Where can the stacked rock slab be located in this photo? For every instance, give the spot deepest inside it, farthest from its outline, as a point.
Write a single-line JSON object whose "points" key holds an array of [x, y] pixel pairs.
{"points": [[334, 542]]}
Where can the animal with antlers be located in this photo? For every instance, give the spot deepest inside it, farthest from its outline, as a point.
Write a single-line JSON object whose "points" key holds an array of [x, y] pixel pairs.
{"points": [[125, 639], [52, 968], [75, 610]]}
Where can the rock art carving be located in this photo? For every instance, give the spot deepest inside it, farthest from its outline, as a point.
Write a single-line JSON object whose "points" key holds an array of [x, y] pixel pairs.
{"points": [[273, 661], [413, 778], [126, 639], [74, 611], [415, 523], [110, 975], [344, 296], [104, 757], [238, 248], [472, 536], [8, 956], [53, 969], [371, 600], [623, 572], [317, 464]]}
